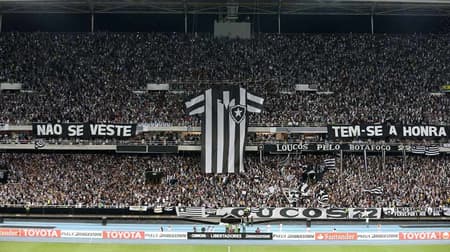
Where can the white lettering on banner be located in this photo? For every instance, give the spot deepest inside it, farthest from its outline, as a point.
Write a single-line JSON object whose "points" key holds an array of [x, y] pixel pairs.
{"points": [[386, 130], [226, 236], [407, 212], [110, 130], [424, 131], [81, 130], [304, 213], [41, 233], [369, 147], [442, 132], [353, 147], [44, 233], [49, 129], [336, 236], [424, 235], [375, 131], [328, 147], [75, 130], [392, 131], [350, 131], [127, 235], [291, 147]]}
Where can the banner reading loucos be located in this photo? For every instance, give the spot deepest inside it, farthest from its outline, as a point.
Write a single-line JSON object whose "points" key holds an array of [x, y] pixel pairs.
{"points": [[224, 126]]}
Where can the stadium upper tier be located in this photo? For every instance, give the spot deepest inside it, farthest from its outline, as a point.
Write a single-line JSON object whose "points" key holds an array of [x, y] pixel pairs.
{"points": [[91, 77]]}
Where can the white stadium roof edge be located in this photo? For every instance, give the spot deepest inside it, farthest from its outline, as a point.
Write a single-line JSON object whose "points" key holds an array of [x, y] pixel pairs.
{"points": [[246, 7]]}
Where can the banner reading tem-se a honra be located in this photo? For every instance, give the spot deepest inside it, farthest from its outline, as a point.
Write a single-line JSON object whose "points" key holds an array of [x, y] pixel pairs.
{"points": [[384, 131]]}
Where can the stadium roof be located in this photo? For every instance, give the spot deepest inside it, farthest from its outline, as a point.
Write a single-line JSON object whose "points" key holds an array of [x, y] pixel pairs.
{"points": [[246, 7]]}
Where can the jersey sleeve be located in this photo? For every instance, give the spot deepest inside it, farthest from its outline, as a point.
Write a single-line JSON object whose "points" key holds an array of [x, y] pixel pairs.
{"points": [[254, 103], [196, 105]]}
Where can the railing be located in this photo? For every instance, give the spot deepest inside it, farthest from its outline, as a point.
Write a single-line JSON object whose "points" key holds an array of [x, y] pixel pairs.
{"points": [[198, 142], [84, 211]]}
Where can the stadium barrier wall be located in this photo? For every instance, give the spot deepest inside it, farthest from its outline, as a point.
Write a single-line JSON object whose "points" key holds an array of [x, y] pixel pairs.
{"points": [[299, 213], [142, 235], [237, 212], [66, 210]]}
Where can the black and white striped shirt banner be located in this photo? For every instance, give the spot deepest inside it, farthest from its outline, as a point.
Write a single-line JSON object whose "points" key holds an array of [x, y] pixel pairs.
{"points": [[224, 126]]}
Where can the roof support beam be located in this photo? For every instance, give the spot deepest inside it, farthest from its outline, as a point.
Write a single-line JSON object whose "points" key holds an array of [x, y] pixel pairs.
{"points": [[185, 17], [91, 6], [92, 22], [279, 16], [260, 7]]}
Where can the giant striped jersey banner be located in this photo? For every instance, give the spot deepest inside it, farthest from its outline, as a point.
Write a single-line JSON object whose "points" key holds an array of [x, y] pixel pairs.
{"points": [[224, 126]]}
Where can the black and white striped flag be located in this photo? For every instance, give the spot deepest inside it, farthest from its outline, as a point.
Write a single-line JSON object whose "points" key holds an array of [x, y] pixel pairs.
{"points": [[323, 199], [377, 190], [330, 163], [416, 149], [305, 190], [191, 212], [432, 150], [224, 126]]}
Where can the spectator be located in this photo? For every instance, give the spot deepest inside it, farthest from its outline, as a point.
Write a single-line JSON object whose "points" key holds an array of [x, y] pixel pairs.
{"points": [[92, 180], [90, 77]]}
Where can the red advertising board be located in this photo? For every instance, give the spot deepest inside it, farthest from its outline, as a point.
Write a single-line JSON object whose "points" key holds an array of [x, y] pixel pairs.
{"points": [[40, 233], [126, 235], [9, 232], [424, 235]]}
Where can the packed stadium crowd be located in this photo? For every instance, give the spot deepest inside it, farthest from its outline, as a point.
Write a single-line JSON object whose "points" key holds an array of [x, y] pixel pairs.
{"points": [[82, 77], [102, 180], [360, 78]]}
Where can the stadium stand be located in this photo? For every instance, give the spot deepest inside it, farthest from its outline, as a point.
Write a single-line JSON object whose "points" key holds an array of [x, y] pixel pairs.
{"points": [[102, 180], [90, 77], [361, 78]]}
